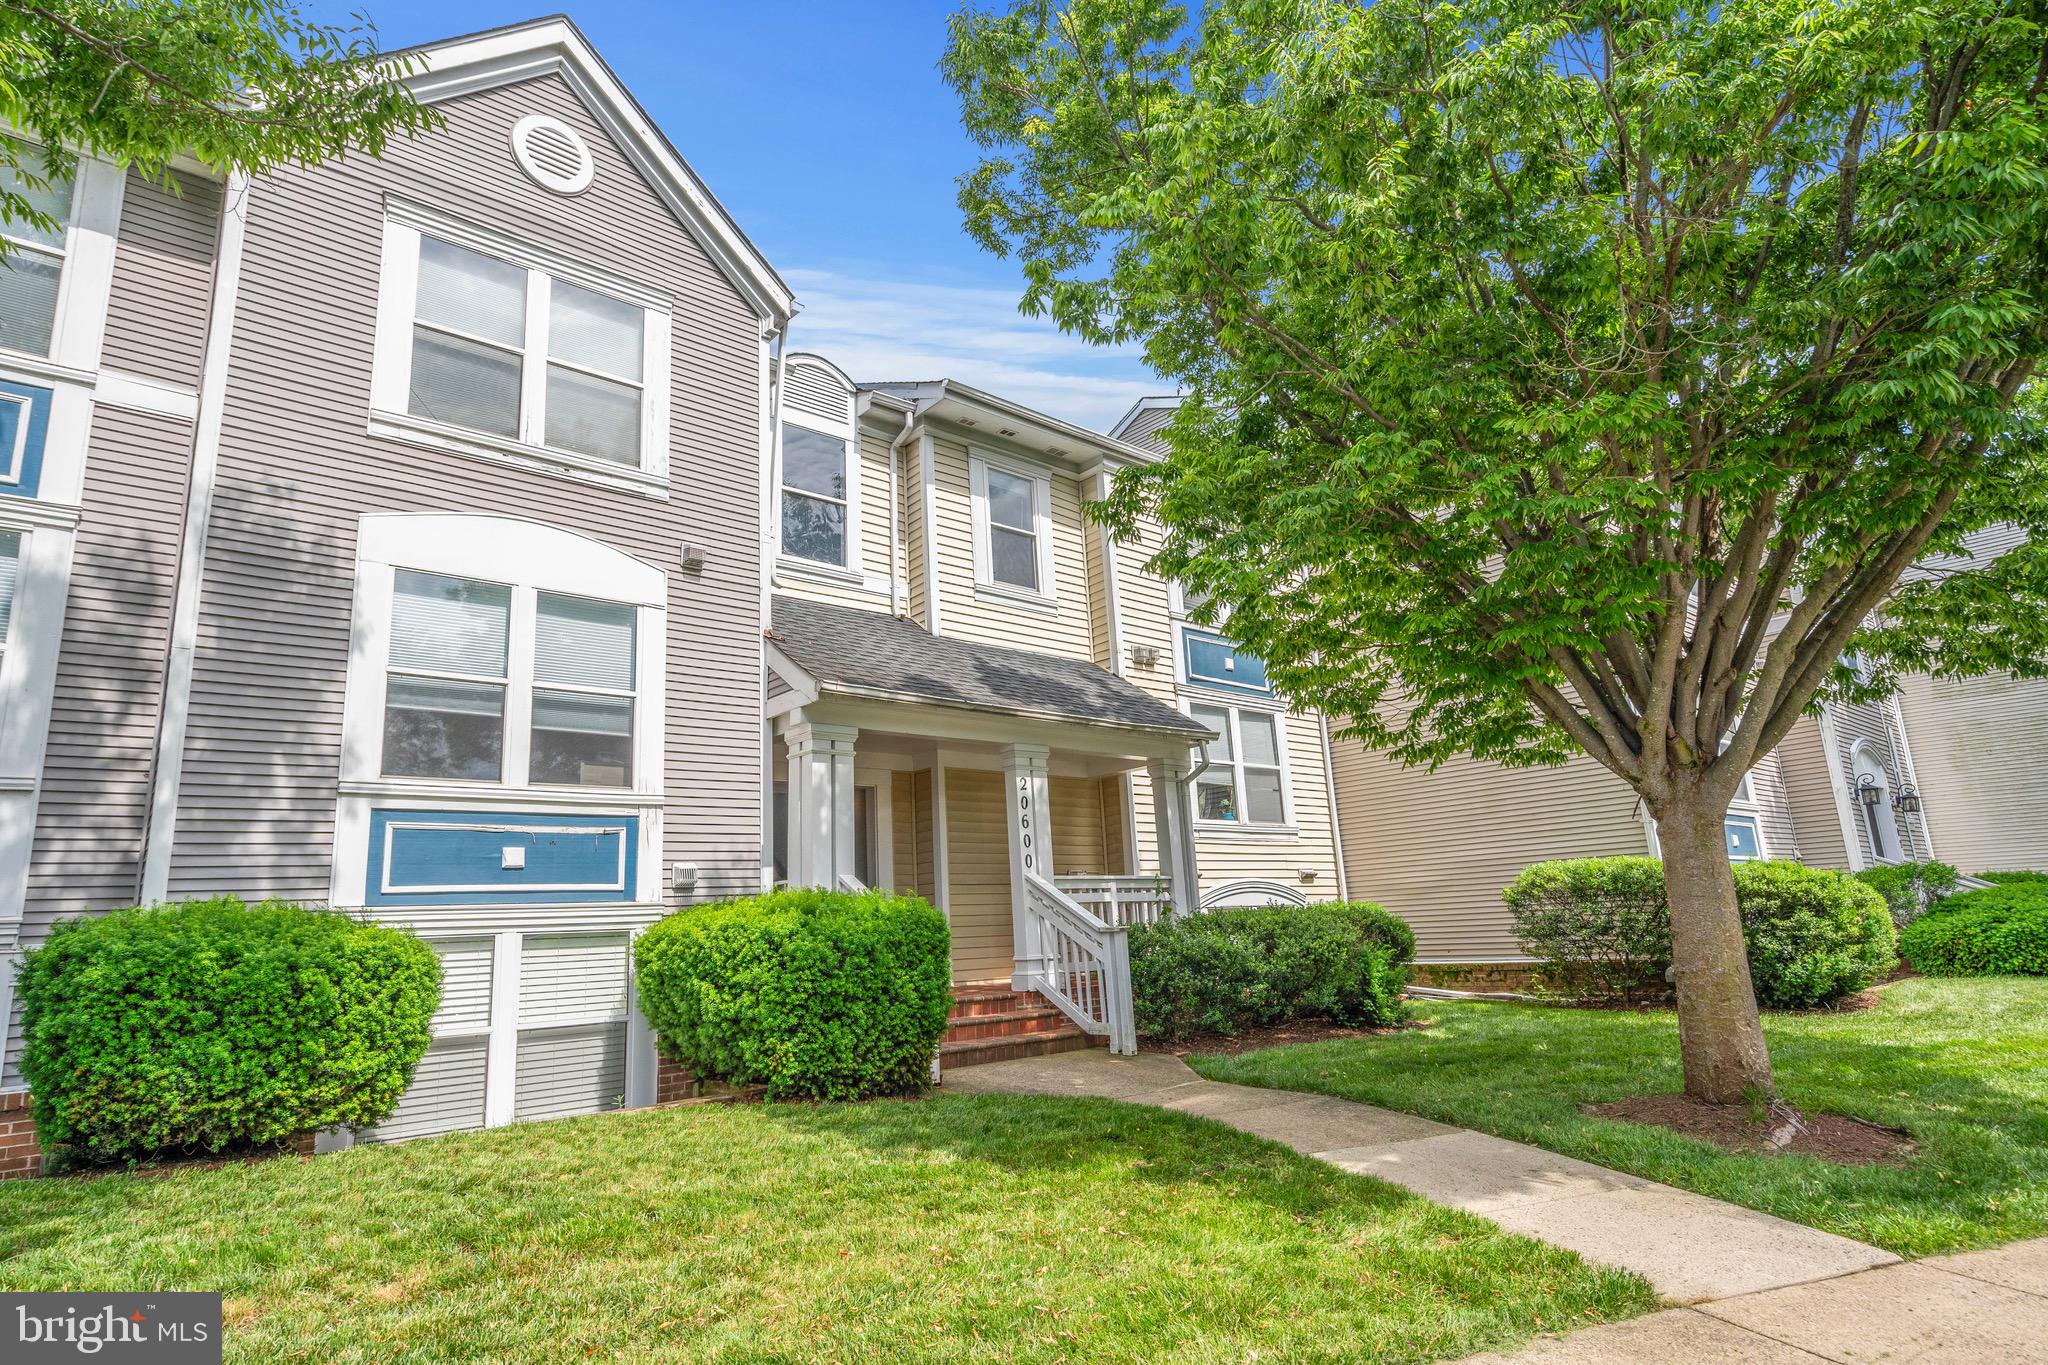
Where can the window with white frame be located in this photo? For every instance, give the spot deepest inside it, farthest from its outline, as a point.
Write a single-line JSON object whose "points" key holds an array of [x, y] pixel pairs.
{"points": [[496, 347], [814, 494], [1245, 782], [1012, 527], [34, 264], [454, 680]]}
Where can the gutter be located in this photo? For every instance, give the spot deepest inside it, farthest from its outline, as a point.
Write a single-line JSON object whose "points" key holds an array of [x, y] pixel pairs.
{"points": [[911, 427]]}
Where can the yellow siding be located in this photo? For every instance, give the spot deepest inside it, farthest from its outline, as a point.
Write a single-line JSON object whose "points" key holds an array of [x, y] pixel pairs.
{"points": [[1116, 857], [912, 487], [1222, 859], [978, 876], [1078, 845], [872, 557], [910, 833], [1067, 630], [1437, 848]]}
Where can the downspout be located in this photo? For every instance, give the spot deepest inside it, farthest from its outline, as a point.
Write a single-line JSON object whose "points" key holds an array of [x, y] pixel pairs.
{"points": [[1336, 821], [775, 342], [911, 428]]}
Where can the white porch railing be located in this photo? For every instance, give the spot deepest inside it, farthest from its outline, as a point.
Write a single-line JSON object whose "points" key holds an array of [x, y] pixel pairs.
{"points": [[1121, 901], [1086, 963]]}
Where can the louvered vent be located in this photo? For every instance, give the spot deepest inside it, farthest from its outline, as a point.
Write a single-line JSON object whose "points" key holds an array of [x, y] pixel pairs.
{"points": [[816, 392], [552, 153]]}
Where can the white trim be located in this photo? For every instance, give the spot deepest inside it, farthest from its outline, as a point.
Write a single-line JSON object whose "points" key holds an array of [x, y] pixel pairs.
{"points": [[1112, 596], [466, 65], [1225, 896], [497, 796], [1863, 752], [20, 514], [136, 393], [850, 569], [28, 686], [986, 586], [942, 862], [160, 834], [522, 152], [1909, 776]]}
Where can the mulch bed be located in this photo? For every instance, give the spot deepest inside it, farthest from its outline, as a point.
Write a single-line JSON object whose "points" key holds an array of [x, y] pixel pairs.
{"points": [[1270, 1035], [1736, 1128]]}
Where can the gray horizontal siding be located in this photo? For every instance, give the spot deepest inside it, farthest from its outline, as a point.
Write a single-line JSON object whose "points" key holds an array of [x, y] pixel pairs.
{"points": [[110, 670], [298, 470], [163, 278], [1980, 747]]}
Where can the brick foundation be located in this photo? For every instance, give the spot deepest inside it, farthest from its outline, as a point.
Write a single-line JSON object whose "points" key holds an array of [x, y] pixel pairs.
{"points": [[19, 1154], [674, 1082], [1519, 977]]}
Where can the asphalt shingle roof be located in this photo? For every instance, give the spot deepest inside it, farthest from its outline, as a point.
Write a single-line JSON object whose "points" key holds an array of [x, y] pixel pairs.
{"points": [[871, 652]]}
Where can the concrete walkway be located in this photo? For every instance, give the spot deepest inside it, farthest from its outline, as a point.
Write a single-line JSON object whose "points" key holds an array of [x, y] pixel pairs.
{"points": [[1693, 1249], [1761, 1291]]}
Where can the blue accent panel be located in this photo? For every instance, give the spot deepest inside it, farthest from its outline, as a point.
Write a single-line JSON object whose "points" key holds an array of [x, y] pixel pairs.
{"points": [[420, 857], [24, 427], [1213, 661], [1743, 840]]}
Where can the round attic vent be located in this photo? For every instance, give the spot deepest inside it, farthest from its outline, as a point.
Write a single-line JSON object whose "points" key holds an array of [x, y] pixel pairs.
{"points": [[552, 153]]}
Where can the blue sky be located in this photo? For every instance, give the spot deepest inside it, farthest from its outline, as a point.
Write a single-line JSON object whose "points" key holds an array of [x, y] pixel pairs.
{"points": [[825, 130]]}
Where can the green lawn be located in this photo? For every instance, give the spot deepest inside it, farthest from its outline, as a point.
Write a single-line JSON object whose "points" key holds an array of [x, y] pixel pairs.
{"points": [[1962, 1065], [957, 1228]]}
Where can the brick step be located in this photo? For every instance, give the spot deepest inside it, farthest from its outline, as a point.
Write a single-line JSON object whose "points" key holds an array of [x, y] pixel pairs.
{"points": [[952, 1056], [973, 1001], [1017, 1023]]}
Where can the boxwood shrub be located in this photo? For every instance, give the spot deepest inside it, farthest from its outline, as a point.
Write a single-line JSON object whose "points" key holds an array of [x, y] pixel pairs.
{"points": [[1911, 889], [216, 1026], [1604, 930], [2000, 931], [813, 994], [1227, 970]]}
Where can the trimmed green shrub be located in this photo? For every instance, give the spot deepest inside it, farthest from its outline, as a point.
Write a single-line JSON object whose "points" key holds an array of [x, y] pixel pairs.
{"points": [[1911, 889], [1604, 930], [2013, 877], [215, 1026], [1226, 970], [1599, 925], [814, 994], [1814, 936], [2000, 931]]}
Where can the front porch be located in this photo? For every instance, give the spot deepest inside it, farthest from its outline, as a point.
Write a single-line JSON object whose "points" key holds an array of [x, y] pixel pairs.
{"points": [[1023, 827]]}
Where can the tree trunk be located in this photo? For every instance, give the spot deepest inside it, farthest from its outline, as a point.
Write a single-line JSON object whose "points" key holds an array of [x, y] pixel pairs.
{"points": [[1720, 1038]]}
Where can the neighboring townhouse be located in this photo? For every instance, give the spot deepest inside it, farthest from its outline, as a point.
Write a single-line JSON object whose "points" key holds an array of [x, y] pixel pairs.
{"points": [[387, 534], [977, 695]]}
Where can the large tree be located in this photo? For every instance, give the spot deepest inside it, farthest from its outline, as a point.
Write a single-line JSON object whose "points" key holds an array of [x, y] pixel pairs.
{"points": [[235, 84], [1564, 377]]}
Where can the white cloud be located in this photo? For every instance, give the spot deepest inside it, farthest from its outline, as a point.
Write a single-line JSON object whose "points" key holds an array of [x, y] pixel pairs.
{"points": [[879, 329]]}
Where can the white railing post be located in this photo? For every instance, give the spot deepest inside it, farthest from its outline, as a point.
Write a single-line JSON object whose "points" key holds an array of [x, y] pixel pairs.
{"points": [[1086, 963], [1173, 818], [1030, 825]]}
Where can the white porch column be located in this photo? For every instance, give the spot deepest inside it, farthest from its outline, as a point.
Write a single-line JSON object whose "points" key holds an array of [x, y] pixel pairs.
{"points": [[1173, 816], [1027, 803], [820, 802]]}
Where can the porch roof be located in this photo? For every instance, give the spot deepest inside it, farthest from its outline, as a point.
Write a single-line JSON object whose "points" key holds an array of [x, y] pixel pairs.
{"points": [[870, 653]]}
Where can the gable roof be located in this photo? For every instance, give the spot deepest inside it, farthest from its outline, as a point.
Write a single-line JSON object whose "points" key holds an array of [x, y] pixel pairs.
{"points": [[870, 653], [554, 45]]}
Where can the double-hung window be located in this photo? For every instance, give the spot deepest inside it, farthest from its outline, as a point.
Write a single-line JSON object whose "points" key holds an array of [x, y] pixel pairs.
{"points": [[1245, 782], [1012, 528], [507, 352], [34, 264], [814, 495], [456, 681]]}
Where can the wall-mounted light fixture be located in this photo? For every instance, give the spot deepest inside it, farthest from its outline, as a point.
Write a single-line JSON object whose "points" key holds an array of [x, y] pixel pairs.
{"points": [[1144, 656], [1907, 802], [1868, 792]]}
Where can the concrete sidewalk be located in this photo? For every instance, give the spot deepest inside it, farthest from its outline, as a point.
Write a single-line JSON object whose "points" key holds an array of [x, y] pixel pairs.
{"points": [[1693, 1249]]}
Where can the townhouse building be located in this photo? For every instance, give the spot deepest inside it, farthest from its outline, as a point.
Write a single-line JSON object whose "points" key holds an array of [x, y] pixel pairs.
{"points": [[453, 538]]}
